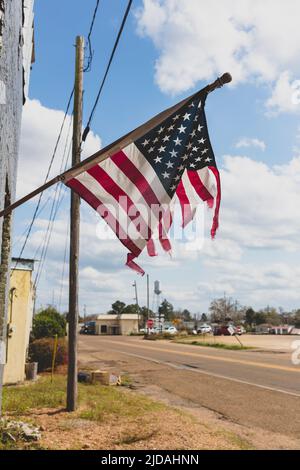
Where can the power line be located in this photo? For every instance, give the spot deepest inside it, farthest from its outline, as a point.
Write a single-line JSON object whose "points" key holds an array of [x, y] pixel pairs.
{"points": [[63, 269], [47, 175], [90, 58], [87, 129], [25, 231], [51, 220], [91, 52], [57, 201]]}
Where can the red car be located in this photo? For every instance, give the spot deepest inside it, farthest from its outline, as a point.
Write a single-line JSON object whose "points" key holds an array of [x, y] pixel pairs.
{"points": [[221, 331]]}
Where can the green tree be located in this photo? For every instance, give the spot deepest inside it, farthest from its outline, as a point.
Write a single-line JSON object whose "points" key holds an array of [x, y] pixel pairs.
{"points": [[131, 308], [167, 310], [270, 315], [204, 317], [260, 318], [117, 307], [186, 315], [296, 318], [144, 315], [250, 316], [48, 323]]}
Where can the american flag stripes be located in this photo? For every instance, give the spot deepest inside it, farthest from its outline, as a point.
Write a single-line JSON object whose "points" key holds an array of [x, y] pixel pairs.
{"points": [[133, 185], [201, 177]]}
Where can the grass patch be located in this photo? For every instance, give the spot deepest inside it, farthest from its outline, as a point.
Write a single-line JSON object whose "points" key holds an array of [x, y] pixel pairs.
{"points": [[231, 347], [240, 442], [126, 380], [96, 402], [131, 418], [20, 400], [102, 403]]}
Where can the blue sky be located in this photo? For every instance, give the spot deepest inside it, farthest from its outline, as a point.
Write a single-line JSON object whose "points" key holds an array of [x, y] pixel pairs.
{"points": [[167, 51]]}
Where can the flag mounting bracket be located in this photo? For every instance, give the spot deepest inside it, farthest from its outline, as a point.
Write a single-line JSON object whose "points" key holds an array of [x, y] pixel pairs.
{"points": [[219, 83]]}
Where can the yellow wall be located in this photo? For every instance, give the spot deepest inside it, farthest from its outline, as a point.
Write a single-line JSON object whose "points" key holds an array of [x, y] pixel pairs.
{"points": [[125, 326], [20, 319], [129, 326]]}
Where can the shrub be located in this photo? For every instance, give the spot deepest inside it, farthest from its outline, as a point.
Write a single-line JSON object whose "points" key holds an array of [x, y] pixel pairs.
{"points": [[48, 323], [41, 351]]}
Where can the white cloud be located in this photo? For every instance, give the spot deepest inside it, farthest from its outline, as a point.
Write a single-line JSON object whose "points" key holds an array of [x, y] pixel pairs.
{"points": [[285, 96], [40, 128], [247, 142], [255, 284], [259, 207], [258, 216], [255, 40]]}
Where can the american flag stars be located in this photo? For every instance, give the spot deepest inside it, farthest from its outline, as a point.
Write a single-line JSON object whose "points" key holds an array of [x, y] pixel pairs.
{"points": [[177, 144], [169, 154]]}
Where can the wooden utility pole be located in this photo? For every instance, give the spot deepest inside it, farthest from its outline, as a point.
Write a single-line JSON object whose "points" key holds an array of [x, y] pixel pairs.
{"points": [[74, 232]]}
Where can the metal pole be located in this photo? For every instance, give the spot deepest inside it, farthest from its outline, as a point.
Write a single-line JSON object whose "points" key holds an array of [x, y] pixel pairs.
{"points": [[137, 303], [74, 232], [147, 296], [54, 356]]}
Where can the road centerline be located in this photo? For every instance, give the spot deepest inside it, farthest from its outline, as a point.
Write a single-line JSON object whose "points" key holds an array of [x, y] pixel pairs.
{"points": [[209, 357]]}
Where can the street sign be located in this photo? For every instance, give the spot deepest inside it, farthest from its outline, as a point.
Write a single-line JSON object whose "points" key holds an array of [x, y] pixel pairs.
{"points": [[231, 330], [150, 323]]}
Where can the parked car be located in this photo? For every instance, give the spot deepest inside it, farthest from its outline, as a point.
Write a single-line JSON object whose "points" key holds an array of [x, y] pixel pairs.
{"points": [[239, 330], [221, 330], [204, 329], [88, 328], [171, 330]]}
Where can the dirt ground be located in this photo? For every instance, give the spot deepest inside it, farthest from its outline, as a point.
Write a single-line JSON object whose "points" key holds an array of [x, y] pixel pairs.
{"points": [[110, 418], [166, 429]]}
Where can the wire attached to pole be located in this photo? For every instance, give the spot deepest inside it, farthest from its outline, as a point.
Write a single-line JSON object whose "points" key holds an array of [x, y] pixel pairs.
{"points": [[46, 178], [91, 52], [87, 129]]}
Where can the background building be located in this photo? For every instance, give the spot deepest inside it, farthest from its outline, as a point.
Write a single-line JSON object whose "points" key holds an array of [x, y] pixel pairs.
{"points": [[16, 41], [113, 324], [19, 321]]}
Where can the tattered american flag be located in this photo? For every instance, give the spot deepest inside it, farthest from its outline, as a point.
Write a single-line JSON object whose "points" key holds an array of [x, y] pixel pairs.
{"points": [[133, 183]]}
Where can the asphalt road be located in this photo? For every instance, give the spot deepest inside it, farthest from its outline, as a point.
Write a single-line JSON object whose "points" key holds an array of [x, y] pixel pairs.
{"points": [[257, 389], [272, 370]]}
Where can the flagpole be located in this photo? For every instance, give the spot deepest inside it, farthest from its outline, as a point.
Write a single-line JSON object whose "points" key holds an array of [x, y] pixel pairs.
{"points": [[74, 233], [220, 82]]}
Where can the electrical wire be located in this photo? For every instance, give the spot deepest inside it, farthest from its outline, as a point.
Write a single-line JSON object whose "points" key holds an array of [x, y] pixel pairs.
{"points": [[47, 175], [57, 201], [91, 52], [64, 266], [87, 129], [25, 231], [36, 212]]}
